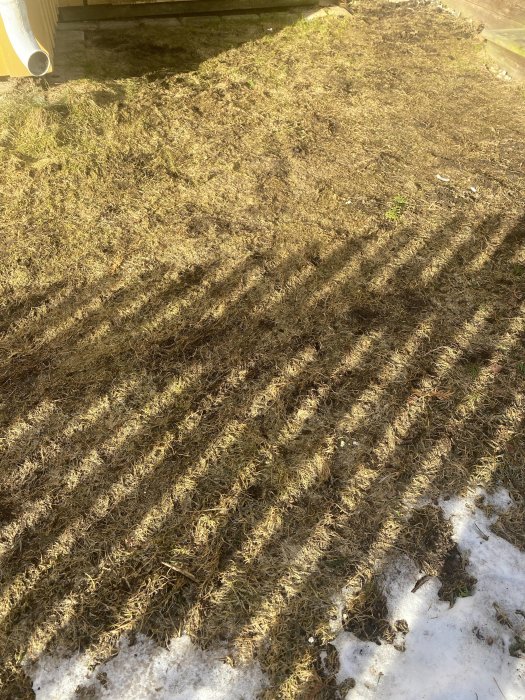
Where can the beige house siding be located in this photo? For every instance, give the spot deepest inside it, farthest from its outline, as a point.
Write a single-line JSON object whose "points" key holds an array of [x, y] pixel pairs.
{"points": [[43, 18]]}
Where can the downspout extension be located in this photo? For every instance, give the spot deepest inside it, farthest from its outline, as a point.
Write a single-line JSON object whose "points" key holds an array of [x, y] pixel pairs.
{"points": [[23, 41]]}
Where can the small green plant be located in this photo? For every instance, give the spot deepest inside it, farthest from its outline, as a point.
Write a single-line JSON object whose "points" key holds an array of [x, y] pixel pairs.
{"points": [[473, 369], [397, 208], [463, 591]]}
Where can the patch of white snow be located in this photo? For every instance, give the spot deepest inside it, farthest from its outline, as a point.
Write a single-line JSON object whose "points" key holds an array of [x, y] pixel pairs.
{"points": [[145, 670], [459, 653]]}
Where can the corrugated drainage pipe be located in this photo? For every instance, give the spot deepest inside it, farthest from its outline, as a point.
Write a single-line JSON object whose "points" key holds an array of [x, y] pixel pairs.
{"points": [[26, 47]]}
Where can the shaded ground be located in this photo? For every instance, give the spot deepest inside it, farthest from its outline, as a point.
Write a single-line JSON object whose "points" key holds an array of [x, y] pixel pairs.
{"points": [[118, 49], [245, 330]]}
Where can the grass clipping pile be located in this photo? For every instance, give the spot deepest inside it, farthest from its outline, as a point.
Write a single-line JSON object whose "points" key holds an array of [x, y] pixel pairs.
{"points": [[245, 329]]}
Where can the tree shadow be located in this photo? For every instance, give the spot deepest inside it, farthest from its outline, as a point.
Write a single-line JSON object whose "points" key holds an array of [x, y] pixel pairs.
{"points": [[225, 448]]}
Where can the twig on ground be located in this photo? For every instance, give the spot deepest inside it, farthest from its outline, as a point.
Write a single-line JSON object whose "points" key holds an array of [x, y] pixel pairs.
{"points": [[180, 571]]}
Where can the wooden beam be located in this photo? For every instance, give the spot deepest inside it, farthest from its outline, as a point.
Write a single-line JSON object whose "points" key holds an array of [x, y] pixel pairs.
{"points": [[174, 9], [507, 55], [494, 14]]}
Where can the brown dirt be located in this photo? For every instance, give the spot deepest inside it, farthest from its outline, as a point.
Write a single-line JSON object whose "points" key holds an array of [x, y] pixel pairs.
{"points": [[367, 615], [227, 376], [427, 538]]}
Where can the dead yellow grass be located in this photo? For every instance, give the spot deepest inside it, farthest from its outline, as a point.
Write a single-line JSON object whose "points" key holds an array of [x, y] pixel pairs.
{"points": [[227, 375]]}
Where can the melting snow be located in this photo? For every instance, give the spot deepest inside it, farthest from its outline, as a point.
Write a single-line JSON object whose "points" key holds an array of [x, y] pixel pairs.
{"points": [[144, 670], [459, 653]]}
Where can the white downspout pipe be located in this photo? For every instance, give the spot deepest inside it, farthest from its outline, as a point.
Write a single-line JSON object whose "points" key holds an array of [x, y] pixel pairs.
{"points": [[26, 47]]}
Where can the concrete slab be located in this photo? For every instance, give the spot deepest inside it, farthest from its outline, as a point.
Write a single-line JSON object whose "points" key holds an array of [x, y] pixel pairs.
{"points": [[322, 13]]}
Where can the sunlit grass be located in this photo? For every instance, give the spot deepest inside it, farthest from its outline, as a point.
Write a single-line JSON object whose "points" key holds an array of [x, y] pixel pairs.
{"points": [[228, 378], [424, 478]]}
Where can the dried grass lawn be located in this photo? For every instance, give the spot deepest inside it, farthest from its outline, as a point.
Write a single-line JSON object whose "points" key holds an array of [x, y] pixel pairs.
{"points": [[245, 330]]}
